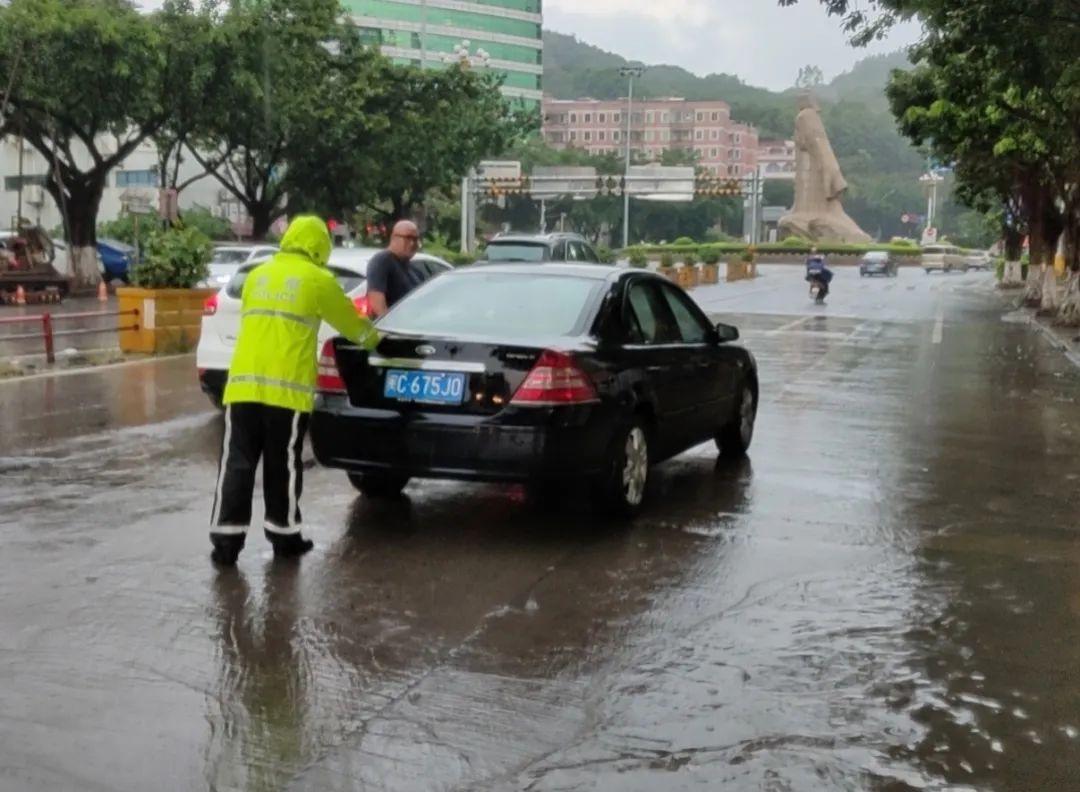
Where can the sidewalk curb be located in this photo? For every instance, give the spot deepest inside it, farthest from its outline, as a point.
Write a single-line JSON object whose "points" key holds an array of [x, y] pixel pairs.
{"points": [[89, 369], [1056, 337]]}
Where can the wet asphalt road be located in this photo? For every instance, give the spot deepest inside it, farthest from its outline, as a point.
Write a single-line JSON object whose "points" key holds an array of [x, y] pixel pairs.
{"points": [[886, 595]]}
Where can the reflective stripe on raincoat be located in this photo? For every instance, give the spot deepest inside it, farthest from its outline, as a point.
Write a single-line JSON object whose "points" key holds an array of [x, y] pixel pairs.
{"points": [[284, 302]]}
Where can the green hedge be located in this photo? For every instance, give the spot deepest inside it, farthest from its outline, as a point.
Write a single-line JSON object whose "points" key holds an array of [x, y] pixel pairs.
{"points": [[787, 247]]}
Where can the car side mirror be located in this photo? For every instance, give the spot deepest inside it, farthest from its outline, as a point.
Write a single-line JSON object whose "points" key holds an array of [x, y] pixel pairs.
{"points": [[726, 333]]}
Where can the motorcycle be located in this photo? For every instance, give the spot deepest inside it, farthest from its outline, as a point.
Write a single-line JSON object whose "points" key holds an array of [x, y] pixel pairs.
{"points": [[818, 289]]}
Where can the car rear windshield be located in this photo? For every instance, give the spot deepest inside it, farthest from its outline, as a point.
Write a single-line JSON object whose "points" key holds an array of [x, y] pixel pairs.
{"points": [[876, 255], [347, 280], [498, 304], [229, 256], [516, 251]]}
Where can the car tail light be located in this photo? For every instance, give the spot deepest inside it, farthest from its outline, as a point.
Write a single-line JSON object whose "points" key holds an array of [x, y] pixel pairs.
{"points": [[209, 308], [363, 307], [329, 379], [556, 378]]}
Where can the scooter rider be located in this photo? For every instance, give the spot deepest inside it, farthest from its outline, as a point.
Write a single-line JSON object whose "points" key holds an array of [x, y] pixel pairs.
{"points": [[817, 271]]}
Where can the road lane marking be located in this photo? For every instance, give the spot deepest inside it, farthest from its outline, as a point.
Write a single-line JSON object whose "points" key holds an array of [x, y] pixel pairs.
{"points": [[939, 326], [792, 325]]}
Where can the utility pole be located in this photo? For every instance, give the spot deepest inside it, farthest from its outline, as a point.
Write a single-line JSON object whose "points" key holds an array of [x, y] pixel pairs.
{"points": [[631, 72]]}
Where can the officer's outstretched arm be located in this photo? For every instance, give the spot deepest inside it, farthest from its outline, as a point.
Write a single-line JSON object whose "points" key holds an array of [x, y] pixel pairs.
{"points": [[336, 309]]}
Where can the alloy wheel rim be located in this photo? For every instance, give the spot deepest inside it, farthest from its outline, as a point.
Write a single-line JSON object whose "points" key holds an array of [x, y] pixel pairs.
{"points": [[636, 469], [746, 415]]}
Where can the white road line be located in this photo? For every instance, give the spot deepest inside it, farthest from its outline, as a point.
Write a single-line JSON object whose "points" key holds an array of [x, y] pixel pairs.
{"points": [[939, 325], [792, 325]]}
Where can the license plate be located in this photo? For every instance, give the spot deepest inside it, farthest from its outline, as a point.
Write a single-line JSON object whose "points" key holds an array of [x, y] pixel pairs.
{"points": [[430, 387]]}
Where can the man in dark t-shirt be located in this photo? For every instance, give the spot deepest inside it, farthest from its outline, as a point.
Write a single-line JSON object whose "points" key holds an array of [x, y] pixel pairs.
{"points": [[391, 273]]}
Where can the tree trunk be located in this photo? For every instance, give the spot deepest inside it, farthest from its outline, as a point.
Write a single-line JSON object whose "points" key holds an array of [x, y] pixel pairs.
{"points": [[1013, 277], [1049, 300], [262, 217], [1069, 314], [1036, 254], [81, 202]]}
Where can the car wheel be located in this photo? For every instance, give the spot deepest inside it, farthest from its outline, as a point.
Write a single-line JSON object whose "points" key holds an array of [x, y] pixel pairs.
{"points": [[621, 492], [379, 485], [734, 438]]}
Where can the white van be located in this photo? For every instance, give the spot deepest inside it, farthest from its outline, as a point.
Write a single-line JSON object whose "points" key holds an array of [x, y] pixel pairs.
{"points": [[946, 258]]}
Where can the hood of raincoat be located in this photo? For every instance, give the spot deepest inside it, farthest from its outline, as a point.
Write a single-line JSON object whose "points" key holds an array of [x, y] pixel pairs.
{"points": [[308, 236]]}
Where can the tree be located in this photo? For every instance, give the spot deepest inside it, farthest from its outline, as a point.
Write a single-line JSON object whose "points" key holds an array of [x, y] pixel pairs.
{"points": [[86, 89], [810, 77], [281, 55], [194, 65], [439, 123]]}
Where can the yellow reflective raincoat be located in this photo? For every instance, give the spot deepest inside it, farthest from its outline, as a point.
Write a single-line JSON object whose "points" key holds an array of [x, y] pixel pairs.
{"points": [[284, 302]]}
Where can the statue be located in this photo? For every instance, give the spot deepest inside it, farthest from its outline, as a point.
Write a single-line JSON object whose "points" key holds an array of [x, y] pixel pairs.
{"points": [[819, 184]]}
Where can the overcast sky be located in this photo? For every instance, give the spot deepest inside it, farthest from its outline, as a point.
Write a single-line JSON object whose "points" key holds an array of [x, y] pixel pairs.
{"points": [[756, 40]]}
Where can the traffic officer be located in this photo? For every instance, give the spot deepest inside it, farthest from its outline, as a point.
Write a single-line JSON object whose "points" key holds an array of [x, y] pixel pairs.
{"points": [[271, 388]]}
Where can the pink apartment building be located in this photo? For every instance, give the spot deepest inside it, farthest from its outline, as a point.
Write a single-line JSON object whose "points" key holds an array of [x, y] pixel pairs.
{"points": [[723, 146]]}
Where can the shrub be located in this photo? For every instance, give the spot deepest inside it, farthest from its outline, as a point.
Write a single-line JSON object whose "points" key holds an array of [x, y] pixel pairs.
{"points": [[796, 242], [711, 256], [667, 259], [684, 241], [638, 259], [605, 254], [177, 258], [689, 260], [216, 228], [748, 255]]}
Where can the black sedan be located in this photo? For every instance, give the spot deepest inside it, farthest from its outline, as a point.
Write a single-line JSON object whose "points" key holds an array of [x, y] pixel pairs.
{"points": [[538, 374]]}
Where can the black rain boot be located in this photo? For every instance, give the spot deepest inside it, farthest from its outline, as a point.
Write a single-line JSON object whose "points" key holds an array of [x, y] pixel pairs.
{"points": [[227, 548], [289, 545]]}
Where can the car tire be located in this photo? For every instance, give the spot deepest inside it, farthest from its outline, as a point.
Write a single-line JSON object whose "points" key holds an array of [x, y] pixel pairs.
{"points": [[620, 492], [379, 484], [734, 438]]}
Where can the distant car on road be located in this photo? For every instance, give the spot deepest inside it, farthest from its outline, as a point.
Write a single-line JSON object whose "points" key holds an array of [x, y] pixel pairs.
{"points": [[537, 248], [979, 259], [221, 313], [227, 259], [878, 262], [946, 258], [542, 374]]}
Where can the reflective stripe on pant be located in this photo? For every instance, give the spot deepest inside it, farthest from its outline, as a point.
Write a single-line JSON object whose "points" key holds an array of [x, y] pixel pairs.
{"points": [[276, 436]]}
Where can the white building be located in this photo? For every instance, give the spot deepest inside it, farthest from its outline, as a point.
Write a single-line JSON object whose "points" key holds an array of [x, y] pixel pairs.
{"points": [[134, 182]]}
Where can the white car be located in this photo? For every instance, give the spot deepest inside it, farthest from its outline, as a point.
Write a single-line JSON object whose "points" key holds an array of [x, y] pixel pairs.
{"points": [[227, 259], [221, 313]]}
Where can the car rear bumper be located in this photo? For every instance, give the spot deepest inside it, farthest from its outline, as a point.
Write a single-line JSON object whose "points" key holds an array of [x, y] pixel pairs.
{"points": [[518, 444]]}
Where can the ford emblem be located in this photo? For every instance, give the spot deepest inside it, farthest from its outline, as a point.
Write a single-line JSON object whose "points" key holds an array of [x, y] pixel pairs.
{"points": [[425, 350]]}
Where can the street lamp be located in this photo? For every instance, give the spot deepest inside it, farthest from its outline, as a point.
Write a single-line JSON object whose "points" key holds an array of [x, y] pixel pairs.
{"points": [[630, 72], [462, 55]]}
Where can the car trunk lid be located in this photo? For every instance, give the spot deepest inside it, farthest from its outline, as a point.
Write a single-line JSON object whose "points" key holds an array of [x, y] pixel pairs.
{"points": [[490, 372]]}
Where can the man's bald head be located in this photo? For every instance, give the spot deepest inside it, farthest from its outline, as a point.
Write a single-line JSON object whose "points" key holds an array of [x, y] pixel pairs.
{"points": [[404, 239]]}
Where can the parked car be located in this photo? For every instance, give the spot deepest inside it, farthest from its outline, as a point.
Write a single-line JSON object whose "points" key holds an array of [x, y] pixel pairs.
{"points": [[221, 313], [227, 259], [116, 259], [878, 262], [536, 248], [542, 374], [979, 259], [946, 258]]}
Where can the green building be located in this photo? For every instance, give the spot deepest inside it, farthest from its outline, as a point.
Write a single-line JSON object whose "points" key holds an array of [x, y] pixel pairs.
{"points": [[503, 34]]}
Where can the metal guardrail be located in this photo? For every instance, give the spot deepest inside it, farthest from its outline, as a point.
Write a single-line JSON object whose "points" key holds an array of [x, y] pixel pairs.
{"points": [[48, 333]]}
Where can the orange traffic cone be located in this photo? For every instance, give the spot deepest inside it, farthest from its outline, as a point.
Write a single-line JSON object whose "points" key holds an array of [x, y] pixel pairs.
{"points": [[20, 295], [102, 292]]}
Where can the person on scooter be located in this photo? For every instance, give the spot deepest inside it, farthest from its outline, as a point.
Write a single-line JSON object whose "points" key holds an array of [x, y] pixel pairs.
{"points": [[818, 272]]}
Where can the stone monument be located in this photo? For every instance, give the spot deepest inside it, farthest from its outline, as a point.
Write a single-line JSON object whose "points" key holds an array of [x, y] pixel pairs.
{"points": [[819, 185]]}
